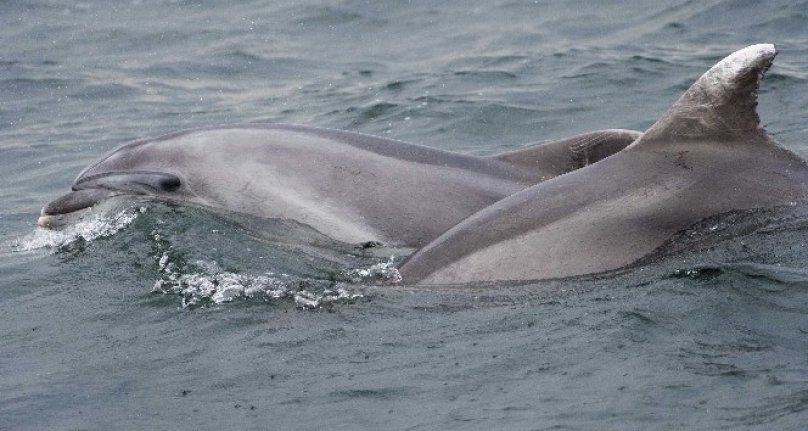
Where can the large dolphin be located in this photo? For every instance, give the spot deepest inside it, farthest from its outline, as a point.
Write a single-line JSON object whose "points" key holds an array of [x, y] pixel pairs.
{"points": [[708, 155], [350, 187]]}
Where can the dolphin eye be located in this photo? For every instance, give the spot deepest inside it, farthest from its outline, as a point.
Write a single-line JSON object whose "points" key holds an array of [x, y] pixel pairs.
{"points": [[169, 183]]}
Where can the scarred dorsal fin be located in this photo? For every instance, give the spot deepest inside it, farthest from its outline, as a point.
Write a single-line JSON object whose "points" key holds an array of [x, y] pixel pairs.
{"points": [[719, 106]]}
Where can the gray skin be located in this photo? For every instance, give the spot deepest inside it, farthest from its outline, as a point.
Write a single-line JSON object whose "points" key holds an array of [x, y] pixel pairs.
{"points": [[350, 187], [708, 155]]}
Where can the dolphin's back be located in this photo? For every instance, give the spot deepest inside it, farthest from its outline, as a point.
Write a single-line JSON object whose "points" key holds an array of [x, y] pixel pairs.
{"points": [[706, 156]]}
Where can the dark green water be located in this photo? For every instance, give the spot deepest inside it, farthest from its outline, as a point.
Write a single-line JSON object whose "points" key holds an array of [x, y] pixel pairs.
{"points": [[182, 320]]}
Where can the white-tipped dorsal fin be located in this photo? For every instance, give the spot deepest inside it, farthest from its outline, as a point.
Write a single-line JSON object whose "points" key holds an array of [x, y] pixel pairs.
{"points": [[719, 106]]}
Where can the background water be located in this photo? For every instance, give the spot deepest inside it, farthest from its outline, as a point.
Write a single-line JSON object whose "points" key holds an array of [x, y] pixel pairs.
{"points": [[181, 320]]}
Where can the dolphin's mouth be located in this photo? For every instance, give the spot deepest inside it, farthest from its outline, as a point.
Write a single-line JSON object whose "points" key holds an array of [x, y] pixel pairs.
{"points": [[61, 211]]}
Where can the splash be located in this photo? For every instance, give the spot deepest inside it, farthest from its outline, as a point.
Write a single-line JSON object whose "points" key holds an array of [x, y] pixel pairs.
{"points": [[385, 272], [87, 230], [207, 284]]}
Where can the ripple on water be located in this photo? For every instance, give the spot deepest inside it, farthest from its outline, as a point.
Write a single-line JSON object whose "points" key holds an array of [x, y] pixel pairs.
{"points": [[197, 278]]}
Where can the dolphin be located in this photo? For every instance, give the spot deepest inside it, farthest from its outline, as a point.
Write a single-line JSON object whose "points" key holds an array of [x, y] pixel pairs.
{"points": [[351, 187], [708, 155]]}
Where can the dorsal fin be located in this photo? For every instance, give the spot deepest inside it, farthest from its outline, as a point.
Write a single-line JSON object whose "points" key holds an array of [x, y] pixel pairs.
{"points": [[558, 157], [719, 106]]}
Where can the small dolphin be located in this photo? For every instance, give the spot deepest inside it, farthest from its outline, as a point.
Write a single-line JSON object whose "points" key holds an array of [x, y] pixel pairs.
{"points": [[350, 187], [706, 156]]}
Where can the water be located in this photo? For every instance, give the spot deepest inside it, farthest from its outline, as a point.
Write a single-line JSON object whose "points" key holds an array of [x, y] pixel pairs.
{"points": [[164, 317]]}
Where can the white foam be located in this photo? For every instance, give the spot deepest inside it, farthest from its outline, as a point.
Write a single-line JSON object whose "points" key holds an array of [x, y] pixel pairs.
{"points": [[384, 271], [213, 286], [308, 300], [96, 227]]}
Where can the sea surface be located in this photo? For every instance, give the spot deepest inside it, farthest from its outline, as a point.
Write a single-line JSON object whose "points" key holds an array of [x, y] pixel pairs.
{"points": [[165, 317]]}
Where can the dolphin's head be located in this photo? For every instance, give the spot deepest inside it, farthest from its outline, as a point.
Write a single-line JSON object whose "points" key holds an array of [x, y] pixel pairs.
{"points": [[90, 189], [146, 168]]}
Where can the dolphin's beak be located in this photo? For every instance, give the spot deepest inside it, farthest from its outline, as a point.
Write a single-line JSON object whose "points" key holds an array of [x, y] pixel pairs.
{"points": [[58, 212]]}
